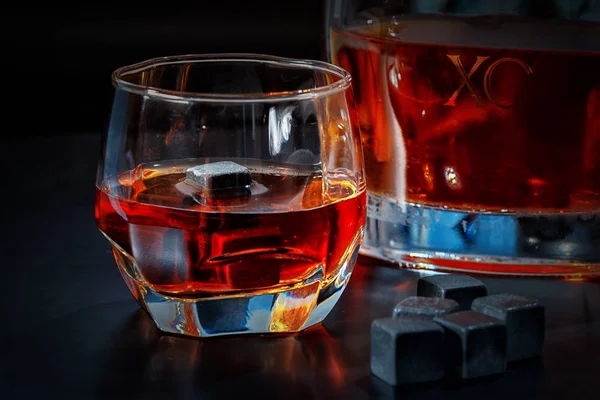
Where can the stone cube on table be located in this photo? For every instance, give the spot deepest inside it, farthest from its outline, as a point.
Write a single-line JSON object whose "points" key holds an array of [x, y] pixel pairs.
{"points": [[407, 350], [461, 288], [524, 319], [425, 306], [475, 344]]}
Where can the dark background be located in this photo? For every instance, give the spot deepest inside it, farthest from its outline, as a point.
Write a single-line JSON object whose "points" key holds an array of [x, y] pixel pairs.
{"points": [[57, 61]]}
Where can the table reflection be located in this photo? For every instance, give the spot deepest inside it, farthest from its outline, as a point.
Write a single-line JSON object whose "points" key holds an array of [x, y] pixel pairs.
{"points": [[151, 361]]}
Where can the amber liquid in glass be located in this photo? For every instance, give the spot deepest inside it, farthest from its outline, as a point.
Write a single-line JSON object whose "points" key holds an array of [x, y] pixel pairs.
{"points": [[475, 128], [290, 225]]}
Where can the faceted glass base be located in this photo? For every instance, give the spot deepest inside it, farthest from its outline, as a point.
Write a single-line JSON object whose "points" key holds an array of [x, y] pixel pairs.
{"points": [[281, 310], [416, 236]]}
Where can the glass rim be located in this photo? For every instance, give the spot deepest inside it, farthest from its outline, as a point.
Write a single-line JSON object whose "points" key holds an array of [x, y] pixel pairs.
{"points": [[339, 85]]}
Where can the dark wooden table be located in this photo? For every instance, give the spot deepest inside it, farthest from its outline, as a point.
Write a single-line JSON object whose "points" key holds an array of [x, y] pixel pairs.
{"points": [[71, 330]]}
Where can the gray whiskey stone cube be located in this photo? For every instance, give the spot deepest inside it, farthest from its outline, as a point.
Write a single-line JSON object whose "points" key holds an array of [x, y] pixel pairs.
{"points": [[303, 156], [524, 319], [220, 175], [407, 350], [425, 306], [461, 288], [475, 344]]}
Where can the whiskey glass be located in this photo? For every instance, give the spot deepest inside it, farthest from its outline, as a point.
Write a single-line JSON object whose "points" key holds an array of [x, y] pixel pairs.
{"points": [[480, 123], [231, 190]]}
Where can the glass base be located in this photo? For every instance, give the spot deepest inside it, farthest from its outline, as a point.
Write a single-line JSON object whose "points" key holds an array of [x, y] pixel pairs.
{"points": [[416, 236], [281, 310]]}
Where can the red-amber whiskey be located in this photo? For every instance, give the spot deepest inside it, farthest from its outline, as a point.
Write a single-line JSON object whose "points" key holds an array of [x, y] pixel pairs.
{"points": [[494, 128], [291, 225]]}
